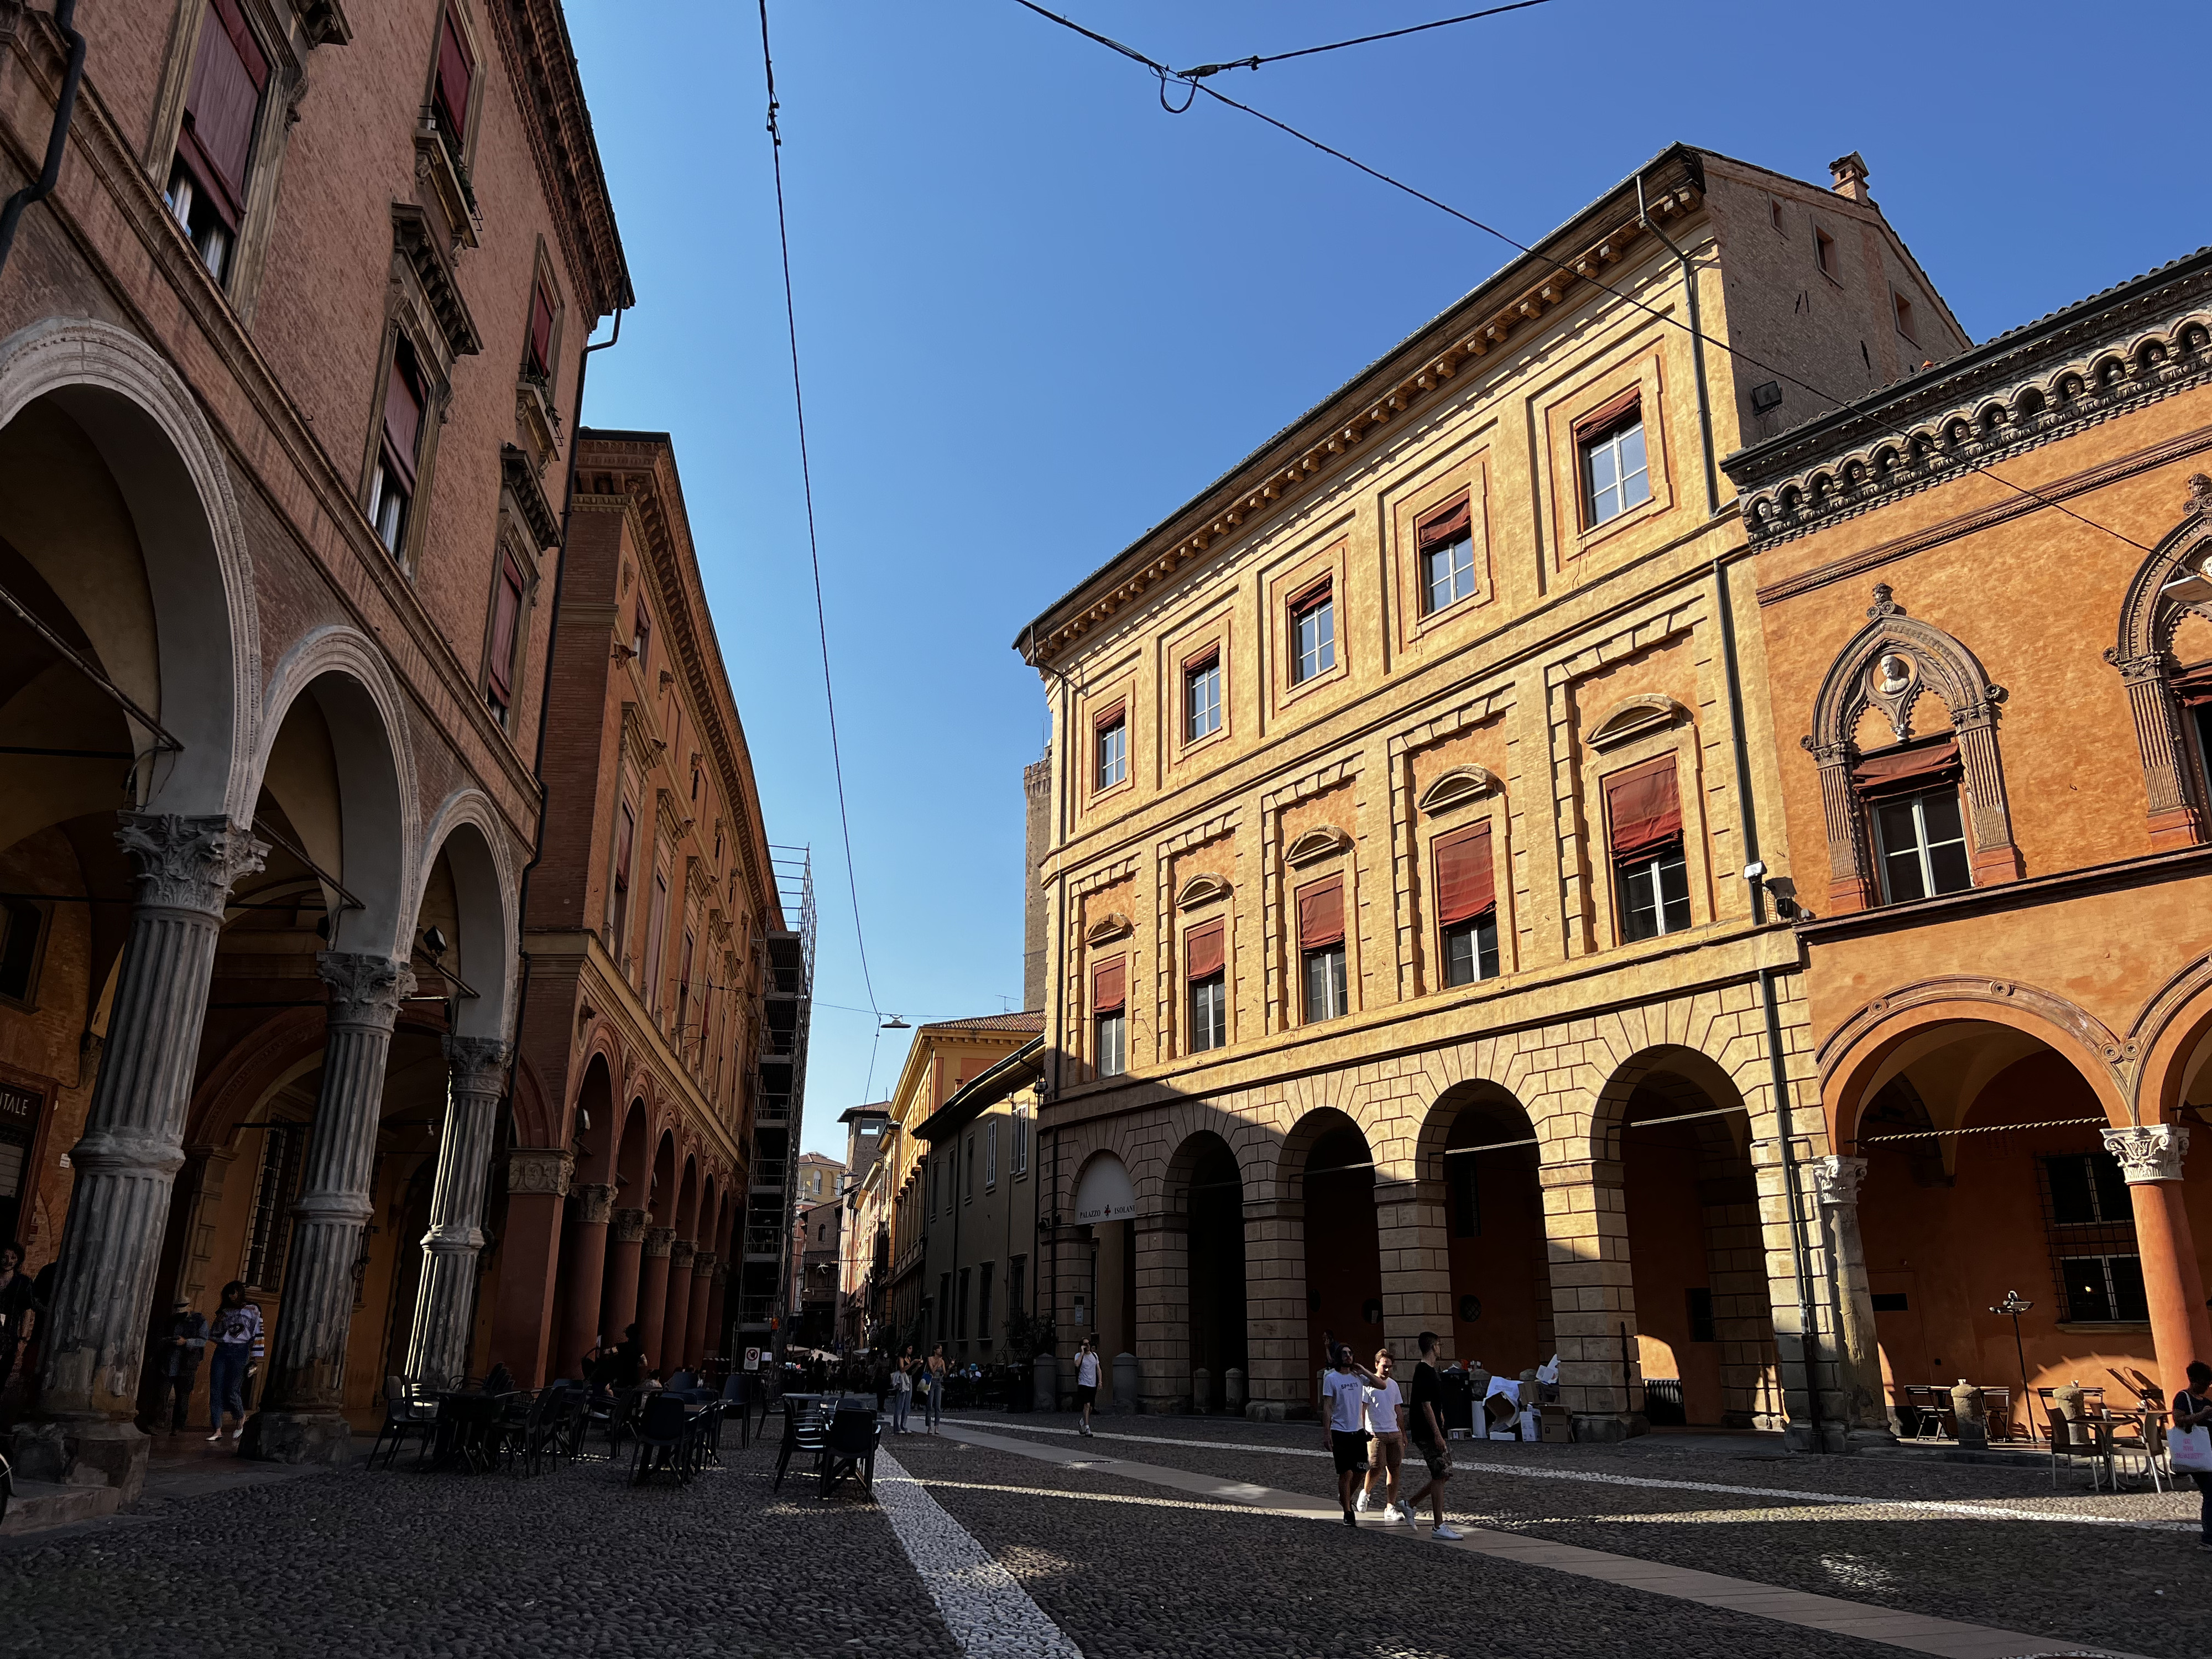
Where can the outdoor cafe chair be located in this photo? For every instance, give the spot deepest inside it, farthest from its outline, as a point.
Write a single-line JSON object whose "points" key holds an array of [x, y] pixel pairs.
{"points": [[804, 1432], [849, 1449], [735, 1404], [682, 1380], [410, 1413], [663, 1431]]}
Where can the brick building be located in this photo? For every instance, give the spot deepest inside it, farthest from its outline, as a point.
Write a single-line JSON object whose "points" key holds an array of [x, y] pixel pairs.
{"points": [[288, 366], [1989, 624], [1401, 970]]}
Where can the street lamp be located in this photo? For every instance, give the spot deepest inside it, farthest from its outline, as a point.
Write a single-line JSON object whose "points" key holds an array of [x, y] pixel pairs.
{"points": [[2016, 1304]]}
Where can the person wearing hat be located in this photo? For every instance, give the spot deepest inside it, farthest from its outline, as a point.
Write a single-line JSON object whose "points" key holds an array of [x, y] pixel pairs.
{"points": [[182, 1345]]}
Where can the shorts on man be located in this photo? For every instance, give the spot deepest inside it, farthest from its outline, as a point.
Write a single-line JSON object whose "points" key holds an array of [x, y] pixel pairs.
{"points": [[1350, 1447], [1086, 1394], [1437, 1456]]}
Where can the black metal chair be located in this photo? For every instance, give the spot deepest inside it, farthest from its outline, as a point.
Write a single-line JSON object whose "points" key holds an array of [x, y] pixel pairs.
{"points": [[736, 1403], [683, 1381], [664, 1431], [803, 1432], [410, 1413], [849, 1449]]}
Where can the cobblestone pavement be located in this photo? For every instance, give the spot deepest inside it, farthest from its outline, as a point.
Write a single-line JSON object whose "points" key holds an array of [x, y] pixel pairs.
{"points": [[2143, 1586]]}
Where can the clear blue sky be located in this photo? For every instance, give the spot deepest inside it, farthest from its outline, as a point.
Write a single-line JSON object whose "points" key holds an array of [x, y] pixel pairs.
{"points": [[1036, 313]]}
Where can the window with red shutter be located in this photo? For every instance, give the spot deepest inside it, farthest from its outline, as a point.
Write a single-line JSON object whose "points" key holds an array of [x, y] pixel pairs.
{"points": [[540, 360], [505, 619], [455, 70], [392, 489], [214, 145]]}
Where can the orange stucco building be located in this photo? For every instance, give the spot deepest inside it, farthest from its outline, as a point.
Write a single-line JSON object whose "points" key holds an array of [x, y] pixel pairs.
{"points": [[1985, 614]]}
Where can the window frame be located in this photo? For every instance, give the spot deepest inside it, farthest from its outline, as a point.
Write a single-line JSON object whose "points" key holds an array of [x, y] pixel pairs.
{"points": [[1923, 848], [1113, 1023], [1652, 864], [13, 912], [1484, 955], [1607, 435], [1213, 988], [1826, 259], [1316, 598], [1205, 665], [1334, 959], [500, 681], [1424, 571], [1112, 723]]}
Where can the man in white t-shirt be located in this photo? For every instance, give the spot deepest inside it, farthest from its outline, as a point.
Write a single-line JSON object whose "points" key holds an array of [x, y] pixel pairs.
{"points": [[1344, 1410], [1386, 1434], [1086, 1383]]}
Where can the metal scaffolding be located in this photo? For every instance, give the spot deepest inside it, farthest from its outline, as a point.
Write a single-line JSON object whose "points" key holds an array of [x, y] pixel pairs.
{"points": [[764, 1272]]}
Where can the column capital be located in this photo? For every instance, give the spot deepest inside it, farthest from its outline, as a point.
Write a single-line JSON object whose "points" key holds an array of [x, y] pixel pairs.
{"points": [[595, 1205], [475, 1065], [1837, 1179], [628, 1227], [541, 1169], [680, 1252], [659, 1239], [365, 990], [704, 1263], [2149, 1152], [180, 863]]}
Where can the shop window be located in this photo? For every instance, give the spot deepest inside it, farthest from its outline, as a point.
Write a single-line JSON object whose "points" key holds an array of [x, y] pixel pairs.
{"points": [[1205, 969], [1321, 948], [207, 179], [22, 949], [1313, 632], [1201, 697], [1109, 1017], [1643, 817], [392, 487], [1616, 470], [1445, 538], [506, 636], [1111, 750], [1467, 906]]}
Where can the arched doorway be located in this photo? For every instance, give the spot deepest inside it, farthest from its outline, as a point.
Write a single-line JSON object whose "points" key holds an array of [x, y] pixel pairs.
{"points": [[1344, 1259], [1213, 1187], [1106, 1203], [1501, 1281]]}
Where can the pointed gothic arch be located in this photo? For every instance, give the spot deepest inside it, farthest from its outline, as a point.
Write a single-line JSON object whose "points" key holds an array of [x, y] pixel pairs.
{"points": [[2174, 582]]}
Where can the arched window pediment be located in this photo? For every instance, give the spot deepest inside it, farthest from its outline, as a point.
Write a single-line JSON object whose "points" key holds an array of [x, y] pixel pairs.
{"points": [[1112, 926], [1457, 786], [1201, 888], [1636, 717], [2169, 587], [1322, 841]]}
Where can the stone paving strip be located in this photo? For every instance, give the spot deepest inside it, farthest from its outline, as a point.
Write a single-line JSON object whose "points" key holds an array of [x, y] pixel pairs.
{"points": [[990, 1615], [1914, 1632], [1969, 1509]]}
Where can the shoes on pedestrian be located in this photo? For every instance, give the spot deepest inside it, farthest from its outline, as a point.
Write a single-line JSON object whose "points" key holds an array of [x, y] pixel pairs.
{"points": [[1407, 1509], [1389, 1516], [1350, 1519], [216, 1436], [239, 1433], [1360, 1502], [1448, 1534]]}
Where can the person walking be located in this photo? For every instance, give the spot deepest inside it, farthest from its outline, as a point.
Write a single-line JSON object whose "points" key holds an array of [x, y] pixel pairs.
{"points": [[1086, 1384], [1386, 1434], [2193, 1409], [933, 1373], [1424, 1426], [902, 1391], [1344, 1433], [15, 1304], [233, 1333], [181, 1349]]}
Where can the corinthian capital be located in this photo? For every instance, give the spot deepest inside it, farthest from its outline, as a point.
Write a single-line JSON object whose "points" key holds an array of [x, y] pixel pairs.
{"points": [[628, 1227], [187, 863], [1837, 1179], [365, 990], [595, 1204], [2149, 1152], [475, 1065], [659, 1239]]}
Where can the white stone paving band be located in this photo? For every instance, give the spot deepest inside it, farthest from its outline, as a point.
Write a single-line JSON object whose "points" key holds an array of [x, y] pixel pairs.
{"points": [[990, 1615]]}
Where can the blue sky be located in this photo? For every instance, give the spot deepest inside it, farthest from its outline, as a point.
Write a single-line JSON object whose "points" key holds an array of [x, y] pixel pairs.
{"points": [[1036, 313]]}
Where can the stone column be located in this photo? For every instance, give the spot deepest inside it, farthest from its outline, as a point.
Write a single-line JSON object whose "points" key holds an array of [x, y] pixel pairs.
{"points": [[625, 1242], [1593, 1297], [699, 1335], [530, 1263], [1163, 1311], [2150, 1157], [652, 1296], [1413, 1230], [588, 1271], [446, 1300], [182, 872], [301, 1418], [1276, 1333], [1865, 1413], [676, 1320]]}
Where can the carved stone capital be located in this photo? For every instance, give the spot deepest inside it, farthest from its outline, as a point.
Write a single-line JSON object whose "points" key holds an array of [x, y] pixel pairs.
{"points": [[595, 1204], [1837, 1181], [658, 1240], [180, 863], [476, 1064], [365, 990], [680, 1253], [2149, 1152], [702, 1263], [630, 1227], [539, 1170]]}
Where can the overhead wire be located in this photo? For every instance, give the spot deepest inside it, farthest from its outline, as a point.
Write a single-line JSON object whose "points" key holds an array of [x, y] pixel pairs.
{"points": [[1733, 351], [1204, 69], [813, 540]]}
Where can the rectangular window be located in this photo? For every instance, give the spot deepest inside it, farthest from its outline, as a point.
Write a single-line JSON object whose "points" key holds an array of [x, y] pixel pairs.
{"points": [[538, 361], [392, 487], [984, 1328], [649, 970], [1201, 698], [960, 1320], [22, 934], [1321, 947], [641, 634], [1921, 842], [1446, 539], [1700, 1310], [1021, 1140], [1824, 249], [2090, 1220], [943, 1306], [1470, 950], [1205, 969], [506, 630], [2104, 1290], [2089, 1190], [449, 99], [1109, 1000], [1313, 633], [207, 179], [1467, 905], [618, 906], [1325, 983], [1905, 323], [1644, 821], [990, 1154], [968, 1185], [1616, 470], [1112, 750], [684, 1005], [1017, 1274], [1466, 1196]]}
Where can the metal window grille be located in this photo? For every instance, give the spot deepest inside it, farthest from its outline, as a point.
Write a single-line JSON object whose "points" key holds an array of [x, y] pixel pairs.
{"points": [[270, 1227], [2089, 1222]]}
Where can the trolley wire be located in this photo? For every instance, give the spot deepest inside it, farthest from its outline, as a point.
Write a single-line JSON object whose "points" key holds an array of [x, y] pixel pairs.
{"points": [[1205, 70], [1893, 429]]}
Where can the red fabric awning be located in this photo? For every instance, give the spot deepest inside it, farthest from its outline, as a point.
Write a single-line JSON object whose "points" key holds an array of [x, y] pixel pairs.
{"points": [[1321, 913], [1467, 880], [1609, 412], [1448, 523], [1643, 807], [1205, 950], [1895, 771], [455, 70], [541, 330], [1109, 981]]}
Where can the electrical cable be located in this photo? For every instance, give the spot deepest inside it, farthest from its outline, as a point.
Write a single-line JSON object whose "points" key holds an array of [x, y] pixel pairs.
{"points": [[1204, 69], [1735, 351], [813, 544]]}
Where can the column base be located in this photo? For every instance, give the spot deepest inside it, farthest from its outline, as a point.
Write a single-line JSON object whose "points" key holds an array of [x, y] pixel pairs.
{"points": [[96, 1453], [281, 1436], [1610, 1427]]}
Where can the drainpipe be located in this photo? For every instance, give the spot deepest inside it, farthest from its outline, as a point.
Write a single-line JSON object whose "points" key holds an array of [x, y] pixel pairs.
{"points": [[11, 214], [1696, 351]]}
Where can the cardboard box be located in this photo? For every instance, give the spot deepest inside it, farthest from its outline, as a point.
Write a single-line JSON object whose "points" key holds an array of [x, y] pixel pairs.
{"points": [[1558, 1426]]}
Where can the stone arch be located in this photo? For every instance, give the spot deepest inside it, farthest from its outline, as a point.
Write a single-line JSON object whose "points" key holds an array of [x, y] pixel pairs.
{"points": [[1888, 666], [2171, 583], [1477, 1149], [171, 469], [600, 1139], [468, 832], [1206, 1327]]}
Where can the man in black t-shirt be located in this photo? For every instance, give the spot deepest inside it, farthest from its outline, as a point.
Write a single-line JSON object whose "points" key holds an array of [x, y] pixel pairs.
{"points": [[1424, 1427]]}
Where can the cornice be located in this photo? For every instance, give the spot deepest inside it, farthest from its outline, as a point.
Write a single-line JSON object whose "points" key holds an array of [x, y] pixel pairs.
{"points": [[522, 481], [1293, 467], [324, 22], [424, 249], [2108, 356]]}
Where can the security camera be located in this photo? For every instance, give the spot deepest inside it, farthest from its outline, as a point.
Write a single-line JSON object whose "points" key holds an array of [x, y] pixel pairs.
{"points": [[1755, 871]]}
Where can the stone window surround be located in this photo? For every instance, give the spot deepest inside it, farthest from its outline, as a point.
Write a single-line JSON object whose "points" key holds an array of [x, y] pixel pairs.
{"points": [[1564, 420], [1468, 474], [2176, 813], [1180, 652], [1491, 810], [1680, 739], [1294, 576], [1095, 711]]}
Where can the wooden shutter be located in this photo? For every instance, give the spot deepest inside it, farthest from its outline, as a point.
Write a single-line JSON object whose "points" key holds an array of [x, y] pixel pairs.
{"points": [[1897, 771], [506, 615], [1467, 880], [403, 412], [1205, 950], [1643, 808], [541, 330], [1108, 986], [229, 73], [1448, 523], [623, 845], [1321, 913], [455, 68]]}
